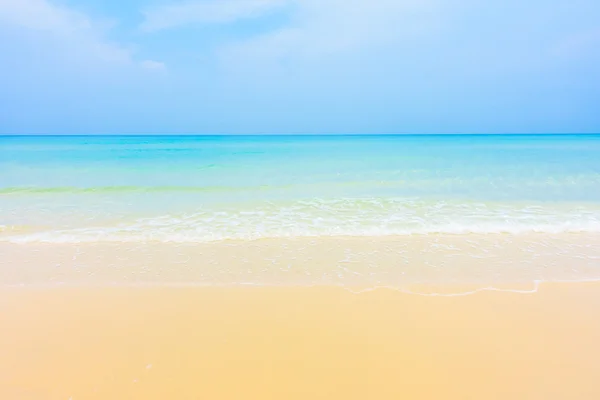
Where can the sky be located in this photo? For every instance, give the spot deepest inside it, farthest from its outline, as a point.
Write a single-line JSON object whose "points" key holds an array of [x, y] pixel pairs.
{"points": [[299, 66]]}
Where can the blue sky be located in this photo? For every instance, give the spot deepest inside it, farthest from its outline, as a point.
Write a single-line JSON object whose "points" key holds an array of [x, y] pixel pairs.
{"points": [[299, 66]]}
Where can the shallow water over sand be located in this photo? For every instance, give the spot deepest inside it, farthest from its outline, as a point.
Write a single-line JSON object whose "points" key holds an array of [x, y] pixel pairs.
{"points": [[395, 261]]}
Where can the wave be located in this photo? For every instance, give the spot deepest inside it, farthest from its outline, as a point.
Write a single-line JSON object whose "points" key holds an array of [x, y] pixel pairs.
{"points": [[367, 217]]}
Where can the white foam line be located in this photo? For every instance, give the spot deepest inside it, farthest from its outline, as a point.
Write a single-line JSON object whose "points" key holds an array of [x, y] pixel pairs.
{"points": [[535, 289], [536, 286]]}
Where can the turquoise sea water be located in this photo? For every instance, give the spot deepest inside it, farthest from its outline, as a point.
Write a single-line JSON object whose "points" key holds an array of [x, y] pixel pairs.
{"points": [[206, 188]]}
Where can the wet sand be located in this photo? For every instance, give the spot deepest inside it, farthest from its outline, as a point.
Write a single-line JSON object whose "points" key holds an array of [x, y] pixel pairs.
{"points": [[349, 261], [298, 343]]}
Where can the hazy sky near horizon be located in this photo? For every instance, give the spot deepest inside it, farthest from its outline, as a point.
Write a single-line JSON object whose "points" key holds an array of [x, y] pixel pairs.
{"points": [[299, 66]]}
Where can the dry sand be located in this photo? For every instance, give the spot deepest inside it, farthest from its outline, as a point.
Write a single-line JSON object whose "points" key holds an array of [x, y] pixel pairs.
{"points": [[298, 343]]}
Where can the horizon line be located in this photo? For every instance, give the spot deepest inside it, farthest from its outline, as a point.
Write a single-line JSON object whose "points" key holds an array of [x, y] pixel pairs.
{"points": [[293, 134]]}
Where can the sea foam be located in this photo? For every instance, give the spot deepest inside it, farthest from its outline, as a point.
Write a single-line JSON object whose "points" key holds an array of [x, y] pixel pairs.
{"points": [[364, 217]]}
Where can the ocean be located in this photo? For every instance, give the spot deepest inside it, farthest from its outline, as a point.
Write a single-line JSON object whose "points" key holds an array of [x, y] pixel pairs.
{"points": [[195, 191]]}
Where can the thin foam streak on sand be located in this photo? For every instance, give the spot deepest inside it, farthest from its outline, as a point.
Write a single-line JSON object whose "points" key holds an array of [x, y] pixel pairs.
{"points": [[417, 290], [461, 292]]}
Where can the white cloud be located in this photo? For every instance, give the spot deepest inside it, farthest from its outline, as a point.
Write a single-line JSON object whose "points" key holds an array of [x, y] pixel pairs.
{"points": [[325, 28], [76, 34], [205, 11], [153, 65], [41, 15]]}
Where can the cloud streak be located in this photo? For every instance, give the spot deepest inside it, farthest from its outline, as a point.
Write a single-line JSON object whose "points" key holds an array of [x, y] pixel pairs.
{"points": [[153, 65], [326, 28], [42, 15], [205, 11]]}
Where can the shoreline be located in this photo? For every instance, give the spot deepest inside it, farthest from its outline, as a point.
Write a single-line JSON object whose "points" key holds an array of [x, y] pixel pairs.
{"points": [[336, 261]]}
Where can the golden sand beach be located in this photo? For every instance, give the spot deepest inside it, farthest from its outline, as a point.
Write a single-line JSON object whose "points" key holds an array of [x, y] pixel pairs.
{"points": [[298, 343]]}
